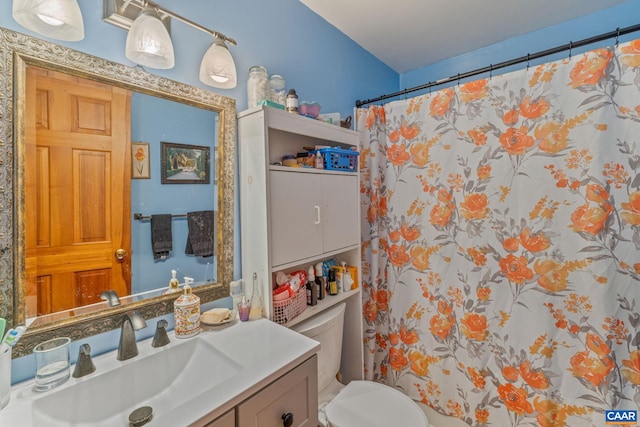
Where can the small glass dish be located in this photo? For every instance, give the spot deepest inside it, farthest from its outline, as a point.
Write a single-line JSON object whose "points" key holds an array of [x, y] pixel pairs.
{"points": [[309, 109]]}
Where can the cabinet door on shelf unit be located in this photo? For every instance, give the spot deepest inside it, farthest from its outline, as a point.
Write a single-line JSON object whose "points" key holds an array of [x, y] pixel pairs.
{"points": [[296, 226], [340, 199]]}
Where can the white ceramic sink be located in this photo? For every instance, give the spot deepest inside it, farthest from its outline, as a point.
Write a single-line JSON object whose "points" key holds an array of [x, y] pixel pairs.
{"points": [[163, 380], [187, 382]]}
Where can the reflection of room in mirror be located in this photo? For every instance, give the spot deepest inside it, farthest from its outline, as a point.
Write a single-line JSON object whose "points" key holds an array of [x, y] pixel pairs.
{"points": [[89, 176]]}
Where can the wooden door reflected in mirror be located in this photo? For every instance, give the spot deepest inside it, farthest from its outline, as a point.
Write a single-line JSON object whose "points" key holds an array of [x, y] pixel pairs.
{"points": [[77, 135]]}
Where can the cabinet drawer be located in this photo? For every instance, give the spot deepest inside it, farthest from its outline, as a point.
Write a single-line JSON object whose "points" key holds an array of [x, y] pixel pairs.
{"points": [[296, 393]]}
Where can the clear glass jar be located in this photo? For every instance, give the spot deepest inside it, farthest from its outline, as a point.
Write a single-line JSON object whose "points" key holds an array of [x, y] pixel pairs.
{"points": [[276, 89], [257, 85]]}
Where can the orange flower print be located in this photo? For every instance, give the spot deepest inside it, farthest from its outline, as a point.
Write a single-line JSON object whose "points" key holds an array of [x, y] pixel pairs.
{"points": [[473, 91], [511, 244], [409, 131], [515, 399], [631, 210], [516, 141], [419, 363], [479, 258], [591, 68], [482, 416], [633, 51], [397, 360], [394, 235], [590, 218], [394, 338], [397, 155], [394, 136], [537, 242], [478, 137], [474, 326], [551, 414], [484, 172], [370, 311], [589, 368], [597, 193], [382, 299], [553, 276], [633, 363], [597, 345], [420, 256], [409, 233], [441, 102], [440, 326], [474, 206], [408, 336], [532, 109], [383, 206], [440, 215], [515, 269], [371, 118], [552, 137], [477, 378], [511, 117], [398, 255], [444, 308], [420, 153], [483, 294], [535, 378], [510, 373]]}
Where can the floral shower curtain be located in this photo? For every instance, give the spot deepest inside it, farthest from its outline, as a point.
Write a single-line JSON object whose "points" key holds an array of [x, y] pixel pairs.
{"points": [[501, 254]]}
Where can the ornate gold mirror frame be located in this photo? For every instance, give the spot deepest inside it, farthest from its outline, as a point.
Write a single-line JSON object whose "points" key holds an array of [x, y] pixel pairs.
{"points": [[17, 51]]}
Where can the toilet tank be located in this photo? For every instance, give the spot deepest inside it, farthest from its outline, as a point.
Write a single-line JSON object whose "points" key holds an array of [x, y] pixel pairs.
{"points": [[326, 328]]}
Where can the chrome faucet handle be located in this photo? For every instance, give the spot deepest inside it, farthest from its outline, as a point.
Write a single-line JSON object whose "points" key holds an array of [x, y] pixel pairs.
{"points": [[84, 364], [132, 322], [160, 338], [111, 297]]}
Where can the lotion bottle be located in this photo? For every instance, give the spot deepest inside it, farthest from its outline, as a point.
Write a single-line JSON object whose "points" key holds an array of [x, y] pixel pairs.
{"points": [[186, 311], [174, 284]]}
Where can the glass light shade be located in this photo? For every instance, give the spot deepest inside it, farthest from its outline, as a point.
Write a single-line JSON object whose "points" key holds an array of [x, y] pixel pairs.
{"points": [[58, 19], [217, 68], [149, 42]]}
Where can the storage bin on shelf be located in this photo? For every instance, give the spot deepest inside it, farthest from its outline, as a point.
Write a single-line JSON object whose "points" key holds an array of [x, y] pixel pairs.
{"points": [[285, 311], [339, 159]]}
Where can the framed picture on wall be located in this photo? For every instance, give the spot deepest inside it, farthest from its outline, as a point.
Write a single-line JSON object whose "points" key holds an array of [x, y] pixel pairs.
{"points": [[185, 164], [140, 166]]}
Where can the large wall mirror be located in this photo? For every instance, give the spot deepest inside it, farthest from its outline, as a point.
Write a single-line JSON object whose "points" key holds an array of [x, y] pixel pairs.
{"points": [[164, 124]]}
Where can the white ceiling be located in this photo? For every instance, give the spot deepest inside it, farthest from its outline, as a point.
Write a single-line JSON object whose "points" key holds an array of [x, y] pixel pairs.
{"points": [[410, 34]]}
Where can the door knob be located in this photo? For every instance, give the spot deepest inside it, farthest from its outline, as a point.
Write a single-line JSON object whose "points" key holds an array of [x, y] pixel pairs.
{"points": [[287, 419], [121, 254]]}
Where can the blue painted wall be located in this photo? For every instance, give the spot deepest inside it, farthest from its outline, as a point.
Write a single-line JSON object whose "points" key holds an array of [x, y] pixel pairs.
{"points": [[317, 60]]}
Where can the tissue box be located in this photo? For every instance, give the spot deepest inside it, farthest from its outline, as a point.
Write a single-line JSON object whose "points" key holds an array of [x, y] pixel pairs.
{"points": [[333, 118]]}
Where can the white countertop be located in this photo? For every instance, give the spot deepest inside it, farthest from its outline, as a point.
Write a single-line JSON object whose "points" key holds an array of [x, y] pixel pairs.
{"points": [[264, 349]]}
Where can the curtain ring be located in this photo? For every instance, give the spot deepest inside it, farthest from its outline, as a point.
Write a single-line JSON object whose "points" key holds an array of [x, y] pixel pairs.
{"points": [[528, 57], [570, 49], [617, 36], [458, 79], [490, 71]]}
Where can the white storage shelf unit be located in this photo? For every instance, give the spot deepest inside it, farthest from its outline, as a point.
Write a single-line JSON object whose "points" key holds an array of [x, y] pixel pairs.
{"points": [[292, 218]]}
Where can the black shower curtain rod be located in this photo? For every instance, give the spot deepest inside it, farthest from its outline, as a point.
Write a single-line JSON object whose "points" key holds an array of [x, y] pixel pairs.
{"points": [[569, 46]]}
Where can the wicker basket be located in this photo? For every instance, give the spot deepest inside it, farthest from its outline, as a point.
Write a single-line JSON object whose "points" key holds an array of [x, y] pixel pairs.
{"points": [[284, 311]]}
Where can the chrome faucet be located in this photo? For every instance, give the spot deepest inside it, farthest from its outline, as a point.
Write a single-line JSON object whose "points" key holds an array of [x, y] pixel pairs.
{"points": [[111, 297], [160, 338], [132, 322], [84, 364]]}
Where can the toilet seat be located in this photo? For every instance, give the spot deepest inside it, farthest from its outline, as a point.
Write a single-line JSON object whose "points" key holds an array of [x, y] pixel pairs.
{"points": [[371, 404]]}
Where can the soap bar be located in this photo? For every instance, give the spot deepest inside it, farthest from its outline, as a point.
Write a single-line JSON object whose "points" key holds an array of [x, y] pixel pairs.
{"points": [[215, 315]]}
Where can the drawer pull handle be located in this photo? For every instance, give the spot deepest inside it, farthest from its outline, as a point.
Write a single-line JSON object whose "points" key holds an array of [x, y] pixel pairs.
{"points": [[287, 419], [317, 208]]}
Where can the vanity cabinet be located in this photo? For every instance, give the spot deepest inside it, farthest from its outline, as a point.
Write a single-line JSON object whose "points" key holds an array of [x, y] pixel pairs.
{"points": [[292, 218], [226, 420]]}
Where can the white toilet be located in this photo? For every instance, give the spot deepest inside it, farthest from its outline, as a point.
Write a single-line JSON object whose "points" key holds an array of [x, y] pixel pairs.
{"points": [[360, 403]]}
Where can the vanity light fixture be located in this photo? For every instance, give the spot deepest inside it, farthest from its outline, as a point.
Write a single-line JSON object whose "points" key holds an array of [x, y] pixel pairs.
{"points": [[58, 19], [149, 42], [217, 68]]}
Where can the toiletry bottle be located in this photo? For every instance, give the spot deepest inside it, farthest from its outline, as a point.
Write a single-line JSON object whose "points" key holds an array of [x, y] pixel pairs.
{"points": [[319, 160], [339, 277], [292, 101], [333, 285], [312, 288], [186, 311], [256, 300], [347, 281], [236, 290], [174, 284], [321, 282]]}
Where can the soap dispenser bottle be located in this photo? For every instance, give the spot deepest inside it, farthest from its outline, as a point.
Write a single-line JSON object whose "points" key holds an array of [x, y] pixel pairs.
{"points": [[174, 284], [186, 311]]}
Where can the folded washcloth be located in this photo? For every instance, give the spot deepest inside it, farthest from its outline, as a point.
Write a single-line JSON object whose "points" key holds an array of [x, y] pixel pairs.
{"points": [[201, 237], [161, 238]]}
